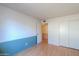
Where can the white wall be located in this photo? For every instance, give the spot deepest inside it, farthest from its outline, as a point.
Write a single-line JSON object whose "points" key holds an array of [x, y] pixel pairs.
{"points": [[15, 25], [1, 34], [64, 31], [39, 32]]}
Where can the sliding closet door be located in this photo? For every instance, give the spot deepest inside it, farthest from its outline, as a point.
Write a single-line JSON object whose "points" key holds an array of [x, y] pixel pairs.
{"points": [[63, 33], [74, 34]]}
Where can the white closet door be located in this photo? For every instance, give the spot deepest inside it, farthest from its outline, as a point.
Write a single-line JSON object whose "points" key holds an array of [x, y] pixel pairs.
{"points": [[63, 36], [53, 32], [74, 34]]}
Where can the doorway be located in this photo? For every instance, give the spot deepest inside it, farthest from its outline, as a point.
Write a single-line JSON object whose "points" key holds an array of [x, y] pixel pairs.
{"points": [[45, 32]]}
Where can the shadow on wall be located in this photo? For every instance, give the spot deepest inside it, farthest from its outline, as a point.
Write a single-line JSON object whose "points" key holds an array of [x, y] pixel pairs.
{"points": [[2, 50]]}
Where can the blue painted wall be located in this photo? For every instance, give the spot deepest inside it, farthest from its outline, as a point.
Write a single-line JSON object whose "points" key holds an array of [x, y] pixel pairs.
{"points": [[15, 46]]}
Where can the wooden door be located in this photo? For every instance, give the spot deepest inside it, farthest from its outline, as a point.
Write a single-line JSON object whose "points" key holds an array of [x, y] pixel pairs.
{"points": [[45, 32]]}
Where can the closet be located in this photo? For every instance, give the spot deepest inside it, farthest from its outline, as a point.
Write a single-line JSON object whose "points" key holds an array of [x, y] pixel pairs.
{"points": [[64, 32], [74, 33]]}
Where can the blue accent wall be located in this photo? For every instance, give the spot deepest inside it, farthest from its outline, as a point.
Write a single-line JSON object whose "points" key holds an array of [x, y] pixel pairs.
{"points": [[15, 46]]}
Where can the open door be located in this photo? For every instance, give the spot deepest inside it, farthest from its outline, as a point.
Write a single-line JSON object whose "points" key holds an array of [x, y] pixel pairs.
{"points": [[45, 32]]}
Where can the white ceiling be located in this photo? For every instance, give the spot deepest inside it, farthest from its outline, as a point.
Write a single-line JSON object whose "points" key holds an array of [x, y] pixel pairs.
{"points": [[45, 10]]}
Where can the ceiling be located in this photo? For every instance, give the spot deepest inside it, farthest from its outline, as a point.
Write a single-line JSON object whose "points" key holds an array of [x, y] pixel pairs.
{"points": [[44, 10]]}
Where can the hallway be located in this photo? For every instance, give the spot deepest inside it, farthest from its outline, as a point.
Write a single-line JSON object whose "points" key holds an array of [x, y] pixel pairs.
{"points": [[43, 49]]}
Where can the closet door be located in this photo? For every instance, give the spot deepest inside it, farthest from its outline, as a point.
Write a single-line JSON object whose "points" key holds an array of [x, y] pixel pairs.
{"points": [[63, 33], [53, 32], [74, 34]]}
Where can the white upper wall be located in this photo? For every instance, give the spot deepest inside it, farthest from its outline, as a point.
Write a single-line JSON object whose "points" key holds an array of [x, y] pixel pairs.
{"points": [[15, 25], [68, 17]]}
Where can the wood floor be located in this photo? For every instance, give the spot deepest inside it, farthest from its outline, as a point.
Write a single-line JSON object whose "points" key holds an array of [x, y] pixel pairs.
{"points": [[43, 49]]}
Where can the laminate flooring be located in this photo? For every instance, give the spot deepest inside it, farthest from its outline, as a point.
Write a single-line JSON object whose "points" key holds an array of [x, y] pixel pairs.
{"points": [[45, 49]]}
